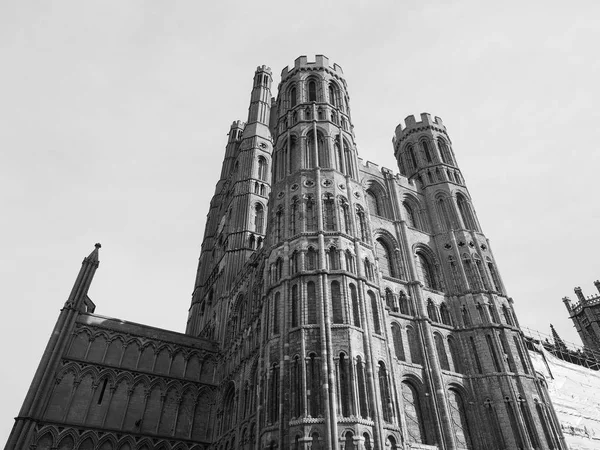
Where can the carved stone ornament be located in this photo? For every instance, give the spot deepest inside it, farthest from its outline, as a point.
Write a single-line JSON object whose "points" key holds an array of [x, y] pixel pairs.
{"points": [[294, 187], [326, 182], [309, 183]]}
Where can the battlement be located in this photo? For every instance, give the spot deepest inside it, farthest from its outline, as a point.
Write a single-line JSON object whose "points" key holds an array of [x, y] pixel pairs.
{"points": [[238, 124], [302, 63], [263, 69], [411, 123]]}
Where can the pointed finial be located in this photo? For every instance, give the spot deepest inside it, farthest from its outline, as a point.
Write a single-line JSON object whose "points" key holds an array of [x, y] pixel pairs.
{"points": [[98, 245], [557, 340]]}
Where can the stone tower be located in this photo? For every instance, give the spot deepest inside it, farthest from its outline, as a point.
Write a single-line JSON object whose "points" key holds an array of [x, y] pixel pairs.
{"points": [[585, 315], [373, 316], [337, 305], [235, 224]]}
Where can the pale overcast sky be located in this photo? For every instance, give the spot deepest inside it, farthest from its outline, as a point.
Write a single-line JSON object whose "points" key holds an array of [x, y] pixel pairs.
{"points": [[114, 114]]}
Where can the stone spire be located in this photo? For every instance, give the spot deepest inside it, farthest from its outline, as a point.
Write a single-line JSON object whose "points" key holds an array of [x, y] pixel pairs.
{"points": [[560, 345]]}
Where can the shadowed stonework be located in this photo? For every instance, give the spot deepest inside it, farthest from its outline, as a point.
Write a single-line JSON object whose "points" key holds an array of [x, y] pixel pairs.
{"points": [[337, 305]]}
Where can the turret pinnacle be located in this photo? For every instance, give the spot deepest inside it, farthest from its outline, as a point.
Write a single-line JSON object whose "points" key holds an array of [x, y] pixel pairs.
{"points": [[557, 339], [84, 279]]}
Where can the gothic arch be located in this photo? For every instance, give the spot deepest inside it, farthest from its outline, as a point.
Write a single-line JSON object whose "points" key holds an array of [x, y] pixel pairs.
{"points": [[377, 198], [427, 267], [386, 247]]}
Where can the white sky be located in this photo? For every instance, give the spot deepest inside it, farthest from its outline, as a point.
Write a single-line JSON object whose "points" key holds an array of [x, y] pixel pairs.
{"points": [[114, 118]]}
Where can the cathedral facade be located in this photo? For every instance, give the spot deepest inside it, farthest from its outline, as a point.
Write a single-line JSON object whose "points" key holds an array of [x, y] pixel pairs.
{"points": [[337, 305]]}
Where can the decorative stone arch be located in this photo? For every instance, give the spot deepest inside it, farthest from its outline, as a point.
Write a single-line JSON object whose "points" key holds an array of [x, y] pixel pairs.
{"points": [[144, 444], [127, 377], [318, 80], [107, 438], [66, 434], [90, 370], [428, 267], [47, 431], [413, 213], [71, 367], [91, 435], [377, 197]]}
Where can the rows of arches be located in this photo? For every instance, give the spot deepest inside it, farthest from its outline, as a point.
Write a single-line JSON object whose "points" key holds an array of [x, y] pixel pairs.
{"points": [[49, 438], [131, 403], [149, 356], [311, 151], [303, 217], [315, 89], [447, 213], [423, 153]]}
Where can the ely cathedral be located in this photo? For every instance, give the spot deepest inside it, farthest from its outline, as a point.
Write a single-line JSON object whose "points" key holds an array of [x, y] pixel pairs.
{"points": [[336, 305]]}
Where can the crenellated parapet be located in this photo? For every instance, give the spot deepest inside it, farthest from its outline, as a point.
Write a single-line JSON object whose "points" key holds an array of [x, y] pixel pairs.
{"points": [[302, 63], [411, 126]]}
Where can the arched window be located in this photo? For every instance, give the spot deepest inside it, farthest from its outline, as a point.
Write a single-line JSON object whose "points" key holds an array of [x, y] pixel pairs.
{"points": [[279, 224], [389, 299], [507, 316], [314, 375], [404, 305], [426, 151], [262, 168], [350, 267], [328, 213], [274, 394], [411, 220], [312, 91], [466, 213], [362, 224], [339, 157], [375, 311], [445, 314], [445, 219], [529, 423], [373, 203], [349, 441], [345, 381], [412, 413], [295, 309], [367, 439], [294, 216], [494, 275], [445, 151], [251, 242], [521, 354], [386, 260], [311, 303], [311, 259], [311, 220], [414, 344], [349, 157], [455, 355], [432, 311], [336, 302], [441, 351], [426, 271], [466, 316], [397, 338], [459, 420], [334, 258], [355, 307], [293, 97], [259, 218], [475, 354], [384, 388], [494, 353], [333, 97], [411, 159], [276, 313], [344, 217], [362, 388], [369, 270]]}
